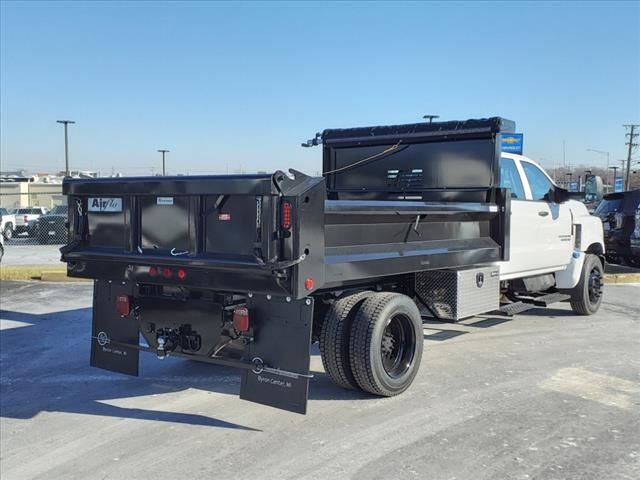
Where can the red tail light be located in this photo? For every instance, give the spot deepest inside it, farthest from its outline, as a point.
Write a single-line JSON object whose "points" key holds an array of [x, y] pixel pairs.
{"points": [[123, 305], [153, 272], [286, 215], [167, 272], [241, 319], [309, 283], [182, 273]]}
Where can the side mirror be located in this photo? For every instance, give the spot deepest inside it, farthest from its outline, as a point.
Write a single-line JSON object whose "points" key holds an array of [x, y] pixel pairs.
{"points": [[558, 195]]}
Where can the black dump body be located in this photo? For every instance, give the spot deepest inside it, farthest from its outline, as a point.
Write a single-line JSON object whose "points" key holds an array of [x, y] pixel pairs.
{"points": [[392, 201]]}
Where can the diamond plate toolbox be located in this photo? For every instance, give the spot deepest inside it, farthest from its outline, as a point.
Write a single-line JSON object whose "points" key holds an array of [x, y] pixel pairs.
{"points": [[458, 294]]}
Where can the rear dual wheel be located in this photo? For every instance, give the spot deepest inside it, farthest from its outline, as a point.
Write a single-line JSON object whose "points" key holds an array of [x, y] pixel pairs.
{"points": [[380, 342], [334, 339]]}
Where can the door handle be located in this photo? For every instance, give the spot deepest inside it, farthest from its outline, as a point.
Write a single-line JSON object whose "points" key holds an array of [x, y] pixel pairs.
{"points": [[543, 213]]}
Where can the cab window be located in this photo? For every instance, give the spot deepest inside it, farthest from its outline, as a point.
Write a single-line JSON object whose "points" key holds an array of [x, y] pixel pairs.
{"points": [[538, 181], [510, 178]]}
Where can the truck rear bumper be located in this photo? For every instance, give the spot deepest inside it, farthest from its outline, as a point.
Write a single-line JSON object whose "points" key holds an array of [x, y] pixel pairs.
{"points": [[274, 362]]}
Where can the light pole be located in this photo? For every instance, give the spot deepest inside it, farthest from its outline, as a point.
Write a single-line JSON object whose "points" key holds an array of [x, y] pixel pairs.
{"points": [[66, 145], [431, 118], [601, 152], [164, 171]]}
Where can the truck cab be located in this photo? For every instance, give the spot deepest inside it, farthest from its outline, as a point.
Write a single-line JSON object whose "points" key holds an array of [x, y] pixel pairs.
{"points": [[549, 235]]}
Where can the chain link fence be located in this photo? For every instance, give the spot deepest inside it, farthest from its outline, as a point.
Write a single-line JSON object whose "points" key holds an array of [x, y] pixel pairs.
{"points": [[33, 215]]}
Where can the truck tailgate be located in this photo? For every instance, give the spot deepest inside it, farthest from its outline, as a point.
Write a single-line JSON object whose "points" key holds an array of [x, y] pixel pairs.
{"points": [[225, 229]]}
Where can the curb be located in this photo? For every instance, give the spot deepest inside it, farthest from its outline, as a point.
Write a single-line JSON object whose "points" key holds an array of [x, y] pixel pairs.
{"points": [[46, 273], [615, 278]]}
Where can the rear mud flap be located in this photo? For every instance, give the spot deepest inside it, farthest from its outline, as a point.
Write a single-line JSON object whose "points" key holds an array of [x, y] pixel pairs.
{"points": [[109, 331], [282, 342]]}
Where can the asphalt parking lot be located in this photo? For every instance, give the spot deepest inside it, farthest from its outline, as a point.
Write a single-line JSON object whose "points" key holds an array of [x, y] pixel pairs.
{"points": [[22, 251], [546, 395]]}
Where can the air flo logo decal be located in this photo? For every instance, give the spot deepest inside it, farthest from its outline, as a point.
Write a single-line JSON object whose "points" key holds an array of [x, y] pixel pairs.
{"points": [[105, 204]]}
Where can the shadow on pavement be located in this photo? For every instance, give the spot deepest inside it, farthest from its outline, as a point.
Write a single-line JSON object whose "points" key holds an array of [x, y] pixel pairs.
{"points": [[44, 367], [443, 334]]}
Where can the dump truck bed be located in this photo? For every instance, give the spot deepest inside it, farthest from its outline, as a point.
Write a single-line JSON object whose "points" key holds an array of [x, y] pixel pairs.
{"points": [[392, 200]]}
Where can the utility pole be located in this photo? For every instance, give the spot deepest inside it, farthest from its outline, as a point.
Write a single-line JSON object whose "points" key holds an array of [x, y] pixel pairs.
{"points": [[164, 171], [66, 145], [431, 118], [631, 136]]}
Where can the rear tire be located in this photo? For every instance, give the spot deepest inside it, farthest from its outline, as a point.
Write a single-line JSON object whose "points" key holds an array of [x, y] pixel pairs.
{"points": [[586, 296], [334, 339], [386, 344]]}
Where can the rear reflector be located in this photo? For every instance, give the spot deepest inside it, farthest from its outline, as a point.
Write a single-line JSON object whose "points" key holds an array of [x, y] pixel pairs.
{"points": [[123, 305], [241, 319], [308, 283], [286, 215]]}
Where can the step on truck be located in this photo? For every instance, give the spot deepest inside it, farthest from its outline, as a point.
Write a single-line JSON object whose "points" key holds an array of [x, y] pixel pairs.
{"points": [[248, 271]]}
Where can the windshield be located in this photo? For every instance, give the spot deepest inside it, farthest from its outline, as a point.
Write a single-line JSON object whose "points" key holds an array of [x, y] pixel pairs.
{"points": [[59, 210], [609, 206]]}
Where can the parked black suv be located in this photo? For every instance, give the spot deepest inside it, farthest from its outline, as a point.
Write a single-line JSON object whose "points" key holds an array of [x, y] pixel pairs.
{"points": [[620, 215], [52, 227]]}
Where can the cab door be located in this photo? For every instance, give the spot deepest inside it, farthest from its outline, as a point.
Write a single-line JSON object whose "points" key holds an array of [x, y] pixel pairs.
{"points": [[541, 230]]}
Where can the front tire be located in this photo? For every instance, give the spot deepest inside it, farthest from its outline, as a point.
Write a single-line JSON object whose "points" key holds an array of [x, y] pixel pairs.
{"points": [[386, 344], [586, 296]]}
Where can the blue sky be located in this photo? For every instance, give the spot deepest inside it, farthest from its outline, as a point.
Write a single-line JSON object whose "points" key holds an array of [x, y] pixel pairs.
{"points": [[230, 86]]}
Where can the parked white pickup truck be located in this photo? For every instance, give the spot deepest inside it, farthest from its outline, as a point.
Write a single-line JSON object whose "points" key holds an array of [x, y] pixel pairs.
{"points": [[7, 223], [552, 243], [26, 219]]}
